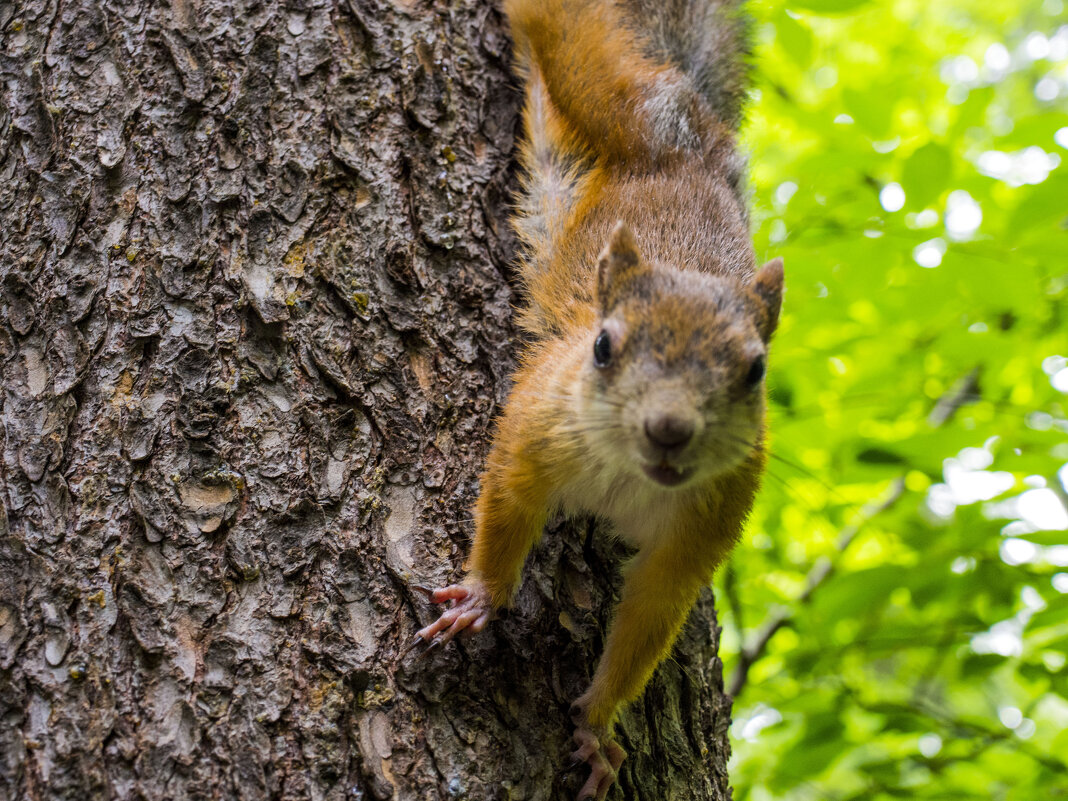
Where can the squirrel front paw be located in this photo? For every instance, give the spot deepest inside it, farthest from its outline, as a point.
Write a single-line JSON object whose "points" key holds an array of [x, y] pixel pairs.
{"points": [[471, 610]]}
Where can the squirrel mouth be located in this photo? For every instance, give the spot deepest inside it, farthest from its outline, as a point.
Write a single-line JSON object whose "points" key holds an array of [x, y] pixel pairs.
{"points": [[664, 473]]}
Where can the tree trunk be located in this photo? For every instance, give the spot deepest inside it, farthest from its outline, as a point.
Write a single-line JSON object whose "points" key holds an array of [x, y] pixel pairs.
{"points": [[256, 322]]}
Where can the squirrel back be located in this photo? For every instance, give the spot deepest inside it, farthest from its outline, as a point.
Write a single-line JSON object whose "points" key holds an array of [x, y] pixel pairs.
{"points": [[631, 112]]}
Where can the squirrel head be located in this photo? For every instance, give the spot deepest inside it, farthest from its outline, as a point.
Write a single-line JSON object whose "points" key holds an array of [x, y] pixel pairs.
{"points": [[676, 364]]}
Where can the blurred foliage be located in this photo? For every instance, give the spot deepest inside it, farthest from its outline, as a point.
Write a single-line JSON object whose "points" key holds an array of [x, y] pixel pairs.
{"points": [[897, 621]]}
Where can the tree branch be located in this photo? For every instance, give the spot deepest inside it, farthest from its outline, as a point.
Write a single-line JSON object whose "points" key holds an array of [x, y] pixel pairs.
{"points": [[817, 575]]}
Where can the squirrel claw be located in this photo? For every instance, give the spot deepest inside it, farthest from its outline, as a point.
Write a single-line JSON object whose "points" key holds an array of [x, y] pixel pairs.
{"points": [[412, 646], [435, 643], [431, 645], [469, 613], [574, 763]]}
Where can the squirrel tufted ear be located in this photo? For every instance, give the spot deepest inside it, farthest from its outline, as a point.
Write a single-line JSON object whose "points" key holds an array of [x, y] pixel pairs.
{"points": [[768, 288], [618, 263]]}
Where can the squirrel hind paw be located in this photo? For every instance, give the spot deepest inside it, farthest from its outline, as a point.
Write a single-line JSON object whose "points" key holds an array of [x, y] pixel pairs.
{"points": [[604, 756]]}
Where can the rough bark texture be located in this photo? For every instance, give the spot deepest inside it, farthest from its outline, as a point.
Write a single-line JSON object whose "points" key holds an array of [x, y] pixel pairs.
{"points": [[254, 328]]}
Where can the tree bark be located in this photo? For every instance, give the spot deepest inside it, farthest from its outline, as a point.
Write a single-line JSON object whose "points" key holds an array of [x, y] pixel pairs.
{"points": [[256, 322]]}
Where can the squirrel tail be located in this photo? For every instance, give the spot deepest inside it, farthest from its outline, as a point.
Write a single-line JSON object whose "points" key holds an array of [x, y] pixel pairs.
{"points": [[555, 165], [708, 41], [620, 84], [637, 81]]}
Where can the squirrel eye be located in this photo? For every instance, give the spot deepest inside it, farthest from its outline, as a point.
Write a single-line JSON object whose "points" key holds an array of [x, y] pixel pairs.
{"points": [[602, 350], [756, 372]]}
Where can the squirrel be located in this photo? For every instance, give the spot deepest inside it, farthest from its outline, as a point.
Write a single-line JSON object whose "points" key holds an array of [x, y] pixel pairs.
{"points": [[640, 393]]}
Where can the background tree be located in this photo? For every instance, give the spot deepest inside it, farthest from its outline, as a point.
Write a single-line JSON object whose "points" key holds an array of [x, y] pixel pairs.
{"points": [[255, 326], [898, 623]]}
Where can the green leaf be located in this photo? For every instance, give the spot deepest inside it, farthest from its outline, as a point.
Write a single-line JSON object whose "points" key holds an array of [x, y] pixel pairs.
{"points": [[854, 594], [926, 174], [872, 107], [795, 37], [879, 456], [828, 6], [1055, 615], [1042, 207], [817, 748]]}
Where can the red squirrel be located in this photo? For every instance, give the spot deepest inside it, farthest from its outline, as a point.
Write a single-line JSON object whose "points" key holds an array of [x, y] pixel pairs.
{"points": [[640, 396]]}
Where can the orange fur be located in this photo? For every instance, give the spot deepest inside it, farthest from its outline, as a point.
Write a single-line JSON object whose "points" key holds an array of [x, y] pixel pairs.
{"points": [[615, 133], [594, 154]]}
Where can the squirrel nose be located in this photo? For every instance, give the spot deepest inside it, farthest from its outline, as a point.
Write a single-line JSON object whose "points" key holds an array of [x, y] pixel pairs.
{"points": [[669, 431]]}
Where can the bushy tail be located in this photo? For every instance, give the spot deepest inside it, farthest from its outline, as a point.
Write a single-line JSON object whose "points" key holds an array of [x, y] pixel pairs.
{"points": [[707, 40], [625, 85], [637, 80]]}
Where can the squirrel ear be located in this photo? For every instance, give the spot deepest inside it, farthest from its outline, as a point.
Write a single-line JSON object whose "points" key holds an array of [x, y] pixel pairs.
{"points": [[618, 263], [768, 288]]}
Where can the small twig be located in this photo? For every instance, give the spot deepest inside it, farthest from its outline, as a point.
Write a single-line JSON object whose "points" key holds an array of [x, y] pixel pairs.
{"points": [[964, 391], [820, 572], [976, 728], [730, 592]]}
